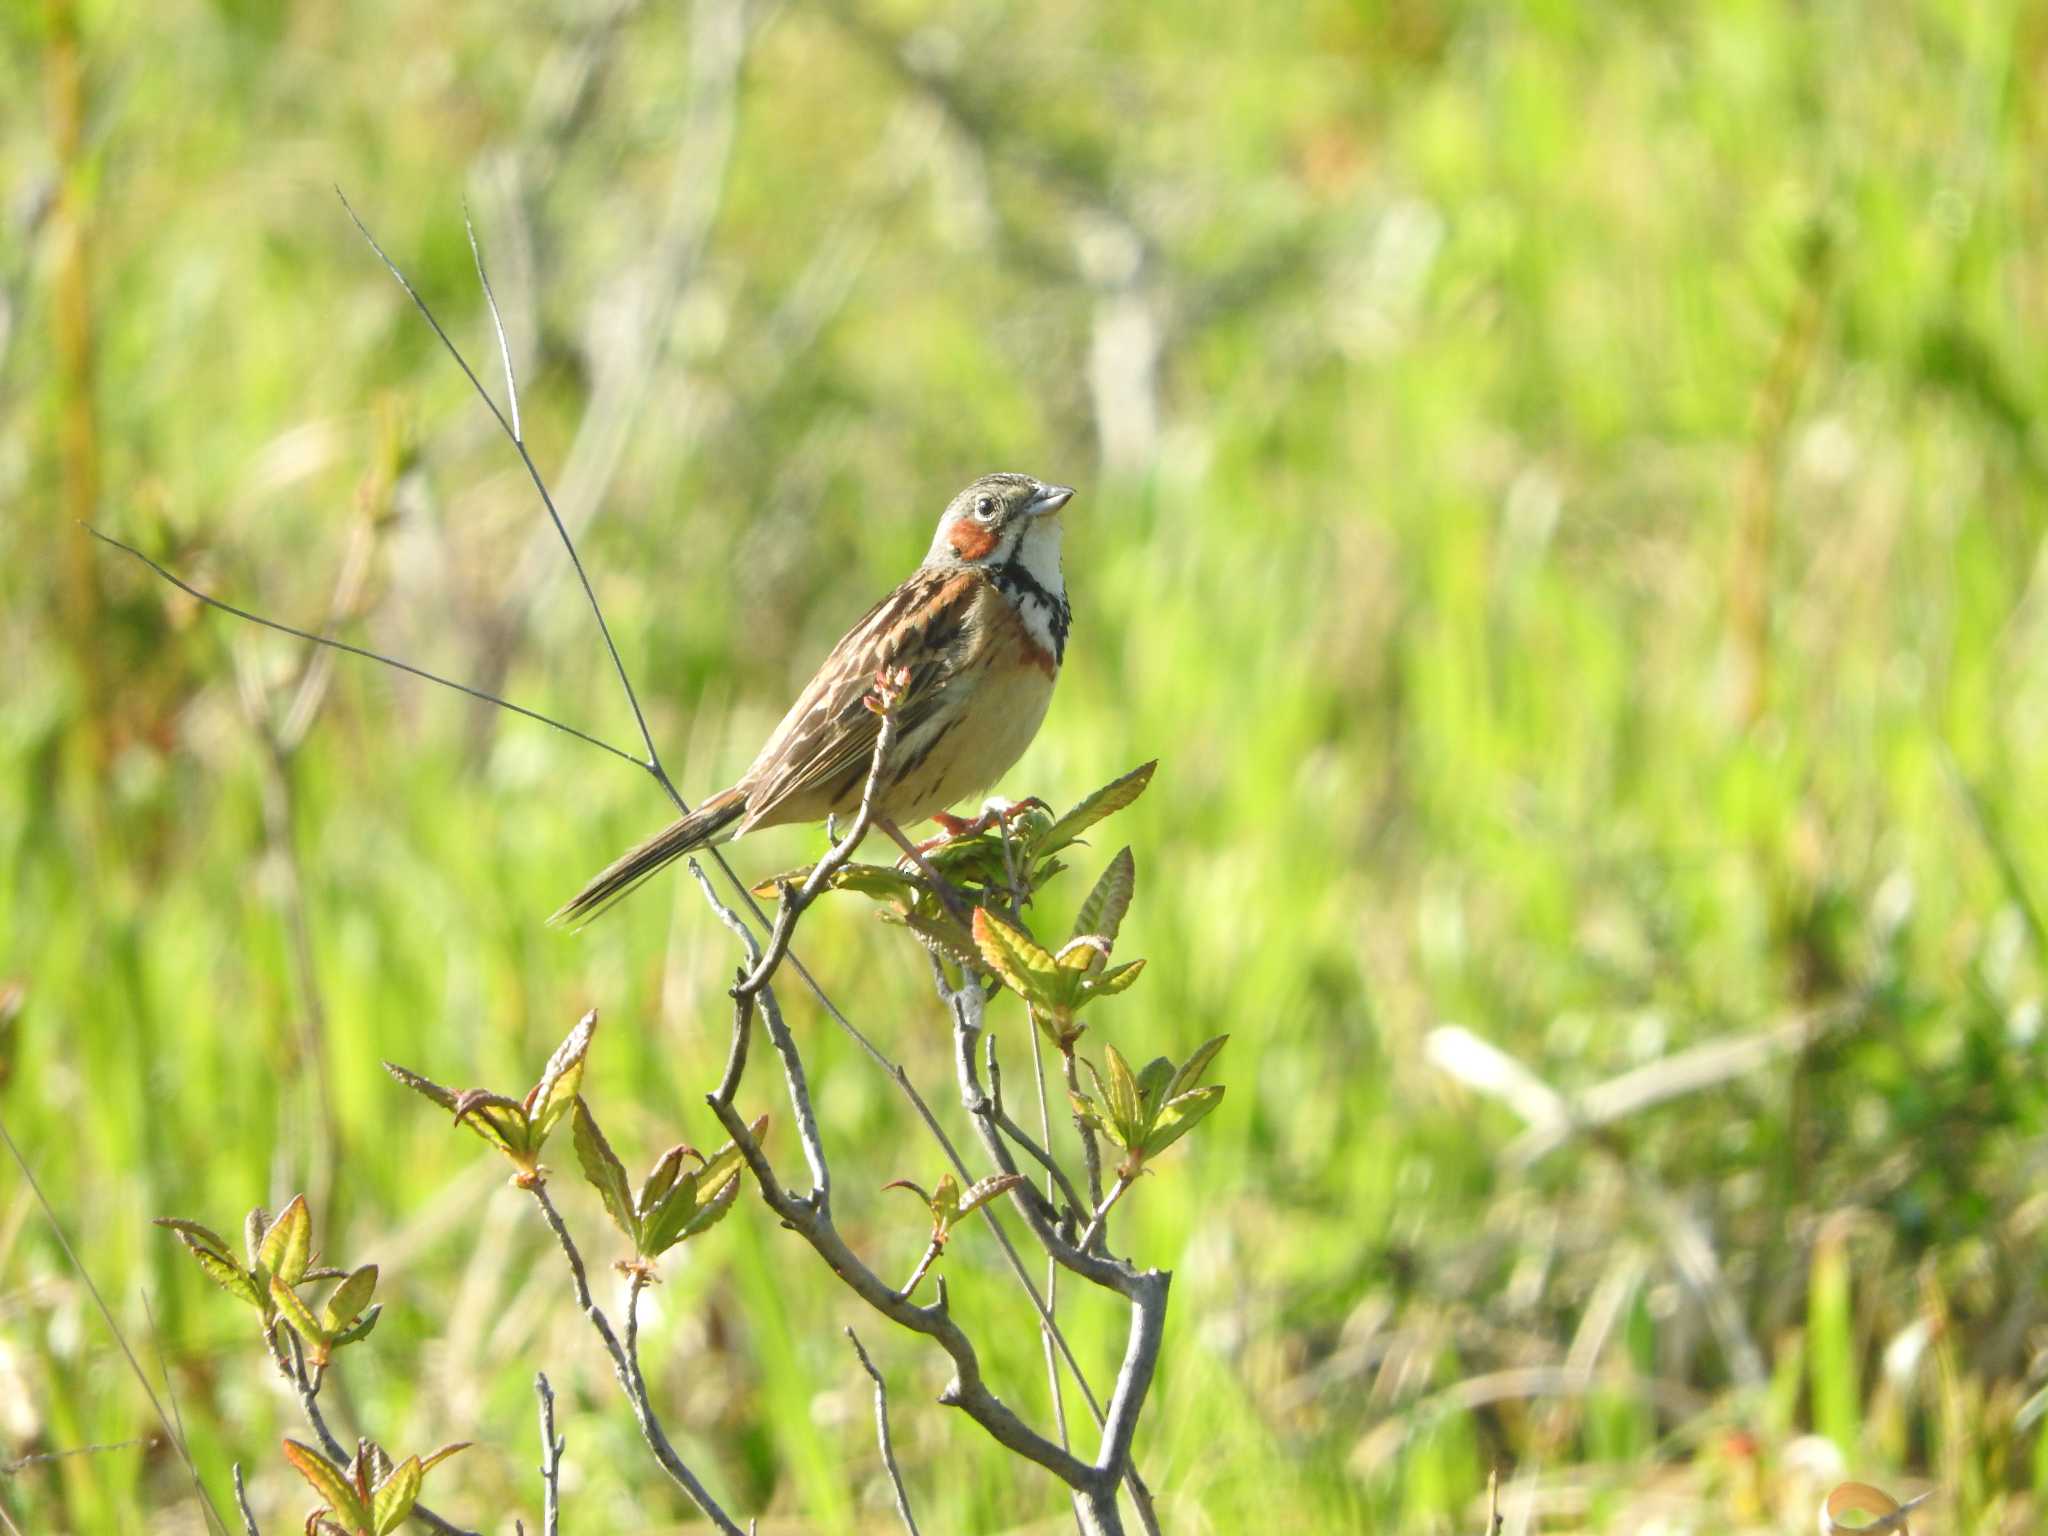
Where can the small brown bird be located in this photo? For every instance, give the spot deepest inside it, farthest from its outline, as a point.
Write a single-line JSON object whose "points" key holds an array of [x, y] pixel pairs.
{"points": [[980, 628]]}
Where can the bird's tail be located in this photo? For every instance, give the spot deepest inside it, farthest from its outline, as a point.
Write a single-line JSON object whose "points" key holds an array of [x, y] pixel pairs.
{"points": [[712, 822]]}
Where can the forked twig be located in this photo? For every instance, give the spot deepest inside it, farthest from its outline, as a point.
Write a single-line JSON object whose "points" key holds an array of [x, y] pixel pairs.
{"points": [[550, 1455], [888, 1445], [626, 1368]]}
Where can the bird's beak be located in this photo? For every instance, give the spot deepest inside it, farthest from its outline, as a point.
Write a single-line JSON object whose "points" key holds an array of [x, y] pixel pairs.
{"points": [[1048, 498]]}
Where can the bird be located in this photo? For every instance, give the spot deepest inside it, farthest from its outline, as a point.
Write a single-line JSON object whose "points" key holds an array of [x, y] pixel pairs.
{"points": [[971, 645]]}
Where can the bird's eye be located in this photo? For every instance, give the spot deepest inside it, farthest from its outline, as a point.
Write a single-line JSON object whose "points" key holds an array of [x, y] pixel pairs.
{"points": [[985, 507]]}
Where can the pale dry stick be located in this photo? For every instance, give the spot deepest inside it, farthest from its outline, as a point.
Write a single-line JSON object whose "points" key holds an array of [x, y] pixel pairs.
{"points": [[213, 1515], [1053, 1180], [551, 1445], [242, 1504], [624, 1367], [882, 1435]]}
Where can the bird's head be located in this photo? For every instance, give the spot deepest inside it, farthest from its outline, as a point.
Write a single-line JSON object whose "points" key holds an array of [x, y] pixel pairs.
{"points": [[1001, 519]]}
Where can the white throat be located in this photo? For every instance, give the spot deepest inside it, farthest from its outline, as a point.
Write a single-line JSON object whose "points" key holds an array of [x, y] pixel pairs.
{"points": [[1030, 576]]}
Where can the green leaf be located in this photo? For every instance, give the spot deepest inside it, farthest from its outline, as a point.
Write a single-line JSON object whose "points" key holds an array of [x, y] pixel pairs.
{"points": [[227, 1274], [1192, 1069], [295, 1312], [1025, 968], [726, 1161], [1117, 978], [605, 1173], [336, 1491], [1105, 802], [662, 1179], [500, 1121], [1103, 912], [1120, 1095], [946, 1202], [361, 1328], [710, 1212], [1152, 1081], [194, 1234], [349, 1299], [445, 1097], [941, 934], [395, 1497], [556, 1091], [1179, 1116], [288, 1245], [873, 880], [663, 1218]]}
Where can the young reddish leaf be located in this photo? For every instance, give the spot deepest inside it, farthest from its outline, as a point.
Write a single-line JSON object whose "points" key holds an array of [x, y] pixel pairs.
{"points": [[981, 1191], [349, 1299], [337, 1492], [288, 1245], [295, 1312], [606, 1174], [195, 1235], [500, 1121], [445, 1097], [395, 1497], [945, 1203], [1179, 1116], [1105, 802], [556, 1091], [428, 1463], [1103, 912]]}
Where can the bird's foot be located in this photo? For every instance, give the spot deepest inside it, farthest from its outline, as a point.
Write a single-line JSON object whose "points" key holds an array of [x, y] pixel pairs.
{"points": [[953, 828]]}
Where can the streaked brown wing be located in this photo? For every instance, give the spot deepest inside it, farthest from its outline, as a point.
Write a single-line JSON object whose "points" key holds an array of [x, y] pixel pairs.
{"points": [[824, 744]]}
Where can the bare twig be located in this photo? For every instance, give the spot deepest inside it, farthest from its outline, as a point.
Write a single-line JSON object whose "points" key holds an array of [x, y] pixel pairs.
{"points": [[882, 1435], [242, 1504], [213, 1515], [624, 1366], [794, 902], [550, 1451], [1123, 1182], [967, 1391], [356, 650]]}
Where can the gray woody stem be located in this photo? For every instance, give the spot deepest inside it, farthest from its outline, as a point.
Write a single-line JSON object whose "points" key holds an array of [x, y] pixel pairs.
{"points": [[1146, 1290], [242, 1504], [882, 1435], [550, 1459], [628, 1372]]}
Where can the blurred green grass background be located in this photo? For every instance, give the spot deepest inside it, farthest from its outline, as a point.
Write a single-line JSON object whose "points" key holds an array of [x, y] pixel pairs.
{"points": [[1561, 494]]}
